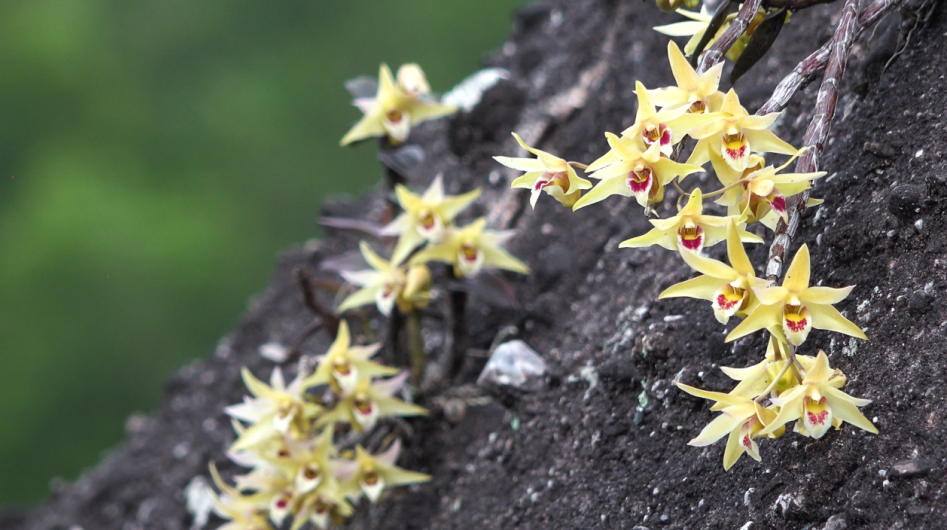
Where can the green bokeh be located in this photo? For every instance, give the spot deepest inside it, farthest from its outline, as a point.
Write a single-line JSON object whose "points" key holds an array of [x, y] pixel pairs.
{"points": [[154, 158]]}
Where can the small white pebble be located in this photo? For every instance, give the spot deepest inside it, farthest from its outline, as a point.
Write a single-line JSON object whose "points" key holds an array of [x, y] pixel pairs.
{"points": [[274, 351], [919, 153], [656, 491], [919, 224], [882, 473]]}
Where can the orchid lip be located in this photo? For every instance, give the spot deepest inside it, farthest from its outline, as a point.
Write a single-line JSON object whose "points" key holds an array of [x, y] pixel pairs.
{"points": [[697, 107], [736, 150], [729, 300], [394, 116], [796, 323], [691, 237]]}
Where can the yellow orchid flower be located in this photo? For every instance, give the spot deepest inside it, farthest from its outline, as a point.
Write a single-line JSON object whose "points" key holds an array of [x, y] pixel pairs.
{"points": [[386, 285], [796, 307], [368, 401], [426, 217], [696, 92], [736, 136], [743, 420], [344, 364], [689, 229], [302, 470], [472, 248], [547, 173], [764, 190], [371, 475], [627, 171], [727, 287], [665, 128], [274, 408], [321, 505], [817, 403], [381, 285], [755, 380], [396, 107], [243, 512]]}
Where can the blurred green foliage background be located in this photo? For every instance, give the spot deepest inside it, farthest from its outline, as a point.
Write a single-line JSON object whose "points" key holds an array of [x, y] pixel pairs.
{"points": [[156, 155]]}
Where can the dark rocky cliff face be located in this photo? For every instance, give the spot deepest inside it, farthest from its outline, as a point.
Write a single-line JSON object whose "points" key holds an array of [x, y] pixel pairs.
{"points": [[582, 454]]}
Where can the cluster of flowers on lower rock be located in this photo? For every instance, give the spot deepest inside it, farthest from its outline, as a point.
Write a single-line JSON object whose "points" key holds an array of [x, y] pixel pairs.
{"points": [[287, 437], [289, 440], [784, 387]]}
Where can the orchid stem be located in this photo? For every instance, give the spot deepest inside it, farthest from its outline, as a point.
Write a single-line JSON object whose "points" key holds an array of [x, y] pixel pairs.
{"points": [[416, 346], [772, 385], [456, 346], [304, 279], [392, 179], [797, 369], [725, 188], [681, 194]]}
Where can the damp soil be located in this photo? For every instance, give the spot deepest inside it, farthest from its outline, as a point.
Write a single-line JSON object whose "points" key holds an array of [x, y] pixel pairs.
{"points": [[604, 445]]}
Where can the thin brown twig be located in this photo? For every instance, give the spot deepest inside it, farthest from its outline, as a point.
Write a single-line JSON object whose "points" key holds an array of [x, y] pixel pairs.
{"points": [[294, 352], [816, 134], [304, 280], [907, 40]]}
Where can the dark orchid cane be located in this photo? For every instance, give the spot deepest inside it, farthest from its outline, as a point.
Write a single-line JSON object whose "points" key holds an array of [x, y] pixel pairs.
{"points": [[817, 133], [813, 65], [737, 27]]}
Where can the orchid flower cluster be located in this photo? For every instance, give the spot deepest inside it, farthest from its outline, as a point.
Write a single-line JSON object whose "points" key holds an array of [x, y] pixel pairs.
{"points": [[784, 387], [287, 433], [427, 220], [287, 437], [425, 229]]}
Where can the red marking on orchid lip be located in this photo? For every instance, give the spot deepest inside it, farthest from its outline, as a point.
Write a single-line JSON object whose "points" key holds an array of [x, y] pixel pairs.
{"points": [[692, 244], [281, 504], [818, 419], [746, 441], [736, 154], [427, 220], [691, 237], [552, 179], [779, 204], [470, 252], [796, 325], [394, 116], [726, 303], [660, 133], [638, 185]]}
